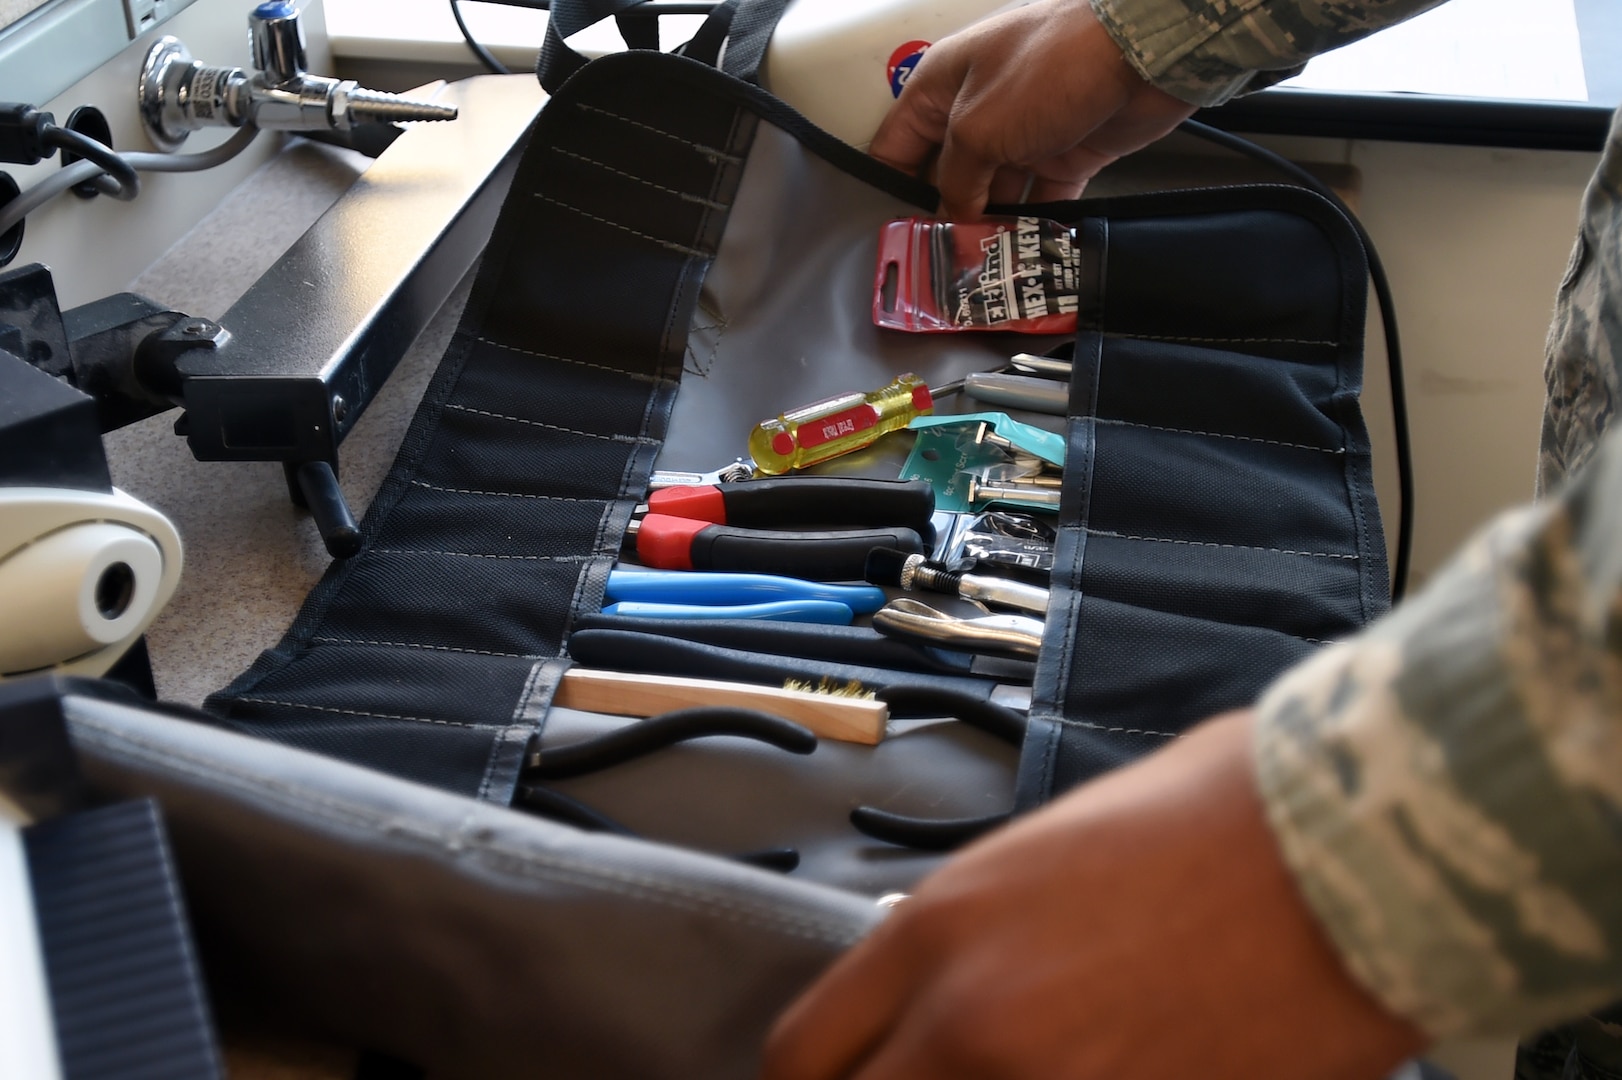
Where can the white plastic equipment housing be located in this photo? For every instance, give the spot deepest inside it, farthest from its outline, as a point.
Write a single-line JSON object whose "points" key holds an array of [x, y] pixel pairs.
{"points": [[832, 59], [82, 575]]}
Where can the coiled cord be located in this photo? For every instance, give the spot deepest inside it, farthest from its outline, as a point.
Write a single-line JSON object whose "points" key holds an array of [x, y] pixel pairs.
{"points": [[120, 171], [89, 168]]}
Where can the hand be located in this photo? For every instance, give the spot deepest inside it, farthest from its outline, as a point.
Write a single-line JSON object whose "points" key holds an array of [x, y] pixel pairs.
{"points": [[1143, 926], [1041, 91]]}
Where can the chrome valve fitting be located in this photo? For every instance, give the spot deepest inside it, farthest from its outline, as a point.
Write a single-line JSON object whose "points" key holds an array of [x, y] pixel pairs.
{"points": [[179, 95]]}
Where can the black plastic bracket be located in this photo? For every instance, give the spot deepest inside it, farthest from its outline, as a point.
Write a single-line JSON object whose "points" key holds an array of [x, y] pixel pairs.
{"points": [[315, 487], [39, 774], [11, 241]]}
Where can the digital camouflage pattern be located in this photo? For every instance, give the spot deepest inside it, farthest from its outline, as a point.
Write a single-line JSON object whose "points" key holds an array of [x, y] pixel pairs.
{"points": [[1447, 787], [1206, 51], [1585, 340]]}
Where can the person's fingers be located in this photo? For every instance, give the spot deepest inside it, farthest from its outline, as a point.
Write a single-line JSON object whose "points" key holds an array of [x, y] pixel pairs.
{"points": [[964, 179], [915, 126], [827, 1033], [1065, 177], [909, 1052], [1061, 177], [1009, 184], [1041, 88], [1044, 190], [1148, 115], [907, 139]]}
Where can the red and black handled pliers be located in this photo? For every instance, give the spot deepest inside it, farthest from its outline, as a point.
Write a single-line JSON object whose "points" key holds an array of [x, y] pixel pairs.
{"points": [[815, 527]]}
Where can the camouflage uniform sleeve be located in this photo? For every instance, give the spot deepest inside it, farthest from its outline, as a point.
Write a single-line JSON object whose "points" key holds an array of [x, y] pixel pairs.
{"points": [[1582, 369], [1207, 51], [1447, 787]]}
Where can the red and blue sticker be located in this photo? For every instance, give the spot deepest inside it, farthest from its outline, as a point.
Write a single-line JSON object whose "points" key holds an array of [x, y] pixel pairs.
{"points": [[902, 61]]}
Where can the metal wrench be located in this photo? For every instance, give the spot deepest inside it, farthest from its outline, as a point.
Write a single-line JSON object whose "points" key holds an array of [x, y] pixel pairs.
{"points": [[741, 469], [914, 620]]}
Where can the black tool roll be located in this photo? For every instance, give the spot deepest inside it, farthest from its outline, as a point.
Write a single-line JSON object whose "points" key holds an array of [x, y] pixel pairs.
{"points": [[681, 255]]}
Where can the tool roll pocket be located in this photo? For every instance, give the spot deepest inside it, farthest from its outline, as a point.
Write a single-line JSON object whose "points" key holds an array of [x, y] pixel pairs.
{"points": [[1219, 519]]}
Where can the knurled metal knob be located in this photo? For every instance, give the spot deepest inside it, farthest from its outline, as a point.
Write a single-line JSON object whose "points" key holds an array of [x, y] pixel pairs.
{"points": [[276, 38]]}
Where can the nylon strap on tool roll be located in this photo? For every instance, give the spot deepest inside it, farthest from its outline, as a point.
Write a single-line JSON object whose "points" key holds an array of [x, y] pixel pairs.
{"points": [[743, 27], [565, 18], [750, 33]]}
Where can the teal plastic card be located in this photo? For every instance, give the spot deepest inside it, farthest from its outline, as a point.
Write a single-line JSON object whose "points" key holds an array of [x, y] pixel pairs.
{"points": [[947, 452]]}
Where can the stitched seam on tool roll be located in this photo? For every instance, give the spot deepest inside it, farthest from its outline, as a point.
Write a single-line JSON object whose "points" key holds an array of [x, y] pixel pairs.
{"points": [[680, 312], [419, 656], [1068, 597], [1226, 500]]}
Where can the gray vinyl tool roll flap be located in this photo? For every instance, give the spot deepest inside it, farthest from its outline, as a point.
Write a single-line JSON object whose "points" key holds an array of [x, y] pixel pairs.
{"points": [[471, 940], [1218, 520]]}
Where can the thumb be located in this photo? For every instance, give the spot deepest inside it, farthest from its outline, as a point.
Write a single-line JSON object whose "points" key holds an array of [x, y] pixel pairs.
{"points": [[906, 140]]}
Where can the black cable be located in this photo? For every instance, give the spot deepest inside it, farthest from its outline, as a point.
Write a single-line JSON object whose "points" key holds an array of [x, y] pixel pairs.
{"points": [[667, 729], [923, 834], [122, 172], [934, 834], [560, 807], [486, 57], [998, 721], [1388, 320], [783, 860]]}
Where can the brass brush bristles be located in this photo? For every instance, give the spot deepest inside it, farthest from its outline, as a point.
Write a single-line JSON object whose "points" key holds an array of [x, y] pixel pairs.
{"points": [[830, 687]]}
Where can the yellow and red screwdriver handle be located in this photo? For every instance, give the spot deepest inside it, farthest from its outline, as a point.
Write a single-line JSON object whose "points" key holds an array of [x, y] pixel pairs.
{"points": [[837, 425]]}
